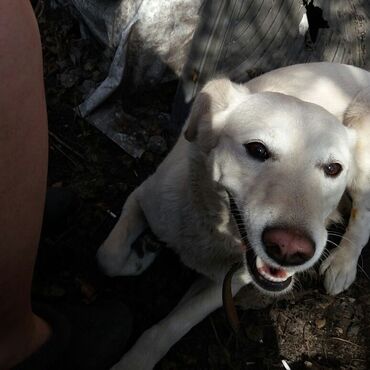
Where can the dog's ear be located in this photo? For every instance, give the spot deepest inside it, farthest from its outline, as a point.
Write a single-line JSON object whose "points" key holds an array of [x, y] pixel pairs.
{"points": [[358, 110], [205, 122]]}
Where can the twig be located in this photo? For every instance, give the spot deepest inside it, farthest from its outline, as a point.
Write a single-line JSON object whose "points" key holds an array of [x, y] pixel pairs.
{"points": [[285, 364], [362, 269], [346, 341], [305, 340], [61, 142], [224, 349], [286, 322], [66, 155], [325, 350], [39, 8]]}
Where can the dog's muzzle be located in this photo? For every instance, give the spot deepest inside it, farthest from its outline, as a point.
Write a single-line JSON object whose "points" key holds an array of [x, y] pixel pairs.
{"points": [[266, 277]]}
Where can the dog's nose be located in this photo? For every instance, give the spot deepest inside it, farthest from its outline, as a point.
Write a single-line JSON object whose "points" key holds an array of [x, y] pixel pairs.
{"points": [[288, 247]]}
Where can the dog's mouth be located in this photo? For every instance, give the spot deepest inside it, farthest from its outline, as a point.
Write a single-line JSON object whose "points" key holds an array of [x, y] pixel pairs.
{"points": [[269, 278], [265, 276]]}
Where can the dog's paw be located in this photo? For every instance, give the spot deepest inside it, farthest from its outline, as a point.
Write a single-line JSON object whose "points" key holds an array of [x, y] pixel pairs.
{"points": [[340, 270], [138, 358], [111, 260], [116, 263], [146, 352], [128, 362]]}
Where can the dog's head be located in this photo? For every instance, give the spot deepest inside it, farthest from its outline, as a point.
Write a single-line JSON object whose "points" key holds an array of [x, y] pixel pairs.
{"points": [[284, 164]]}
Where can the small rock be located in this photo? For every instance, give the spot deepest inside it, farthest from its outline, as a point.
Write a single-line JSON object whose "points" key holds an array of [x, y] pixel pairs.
{"points": [[58, 184], [104, 67], [365, 299], [128, 144], [53, 291], [75, 55], [62, 64], [69, 79], [353, 330], [339, 330], [96, 76], [164, 118], [87, 86], [108, 53], [254, 332], [308, 364], [88, 291], [89, 65], [157, 144]]}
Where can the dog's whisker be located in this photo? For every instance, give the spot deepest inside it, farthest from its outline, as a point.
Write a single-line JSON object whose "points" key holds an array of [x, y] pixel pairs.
{"points": [[297, 285], [326, 253], [332, 243], [363, 271], [333, 233], [361, 261], [342, 236]]}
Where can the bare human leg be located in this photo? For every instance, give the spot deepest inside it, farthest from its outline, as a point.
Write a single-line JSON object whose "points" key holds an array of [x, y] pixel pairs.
{"points": [[23, 166]]}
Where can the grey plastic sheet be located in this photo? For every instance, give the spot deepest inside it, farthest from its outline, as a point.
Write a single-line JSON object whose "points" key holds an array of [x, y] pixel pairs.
{"points": [[149, 40]]}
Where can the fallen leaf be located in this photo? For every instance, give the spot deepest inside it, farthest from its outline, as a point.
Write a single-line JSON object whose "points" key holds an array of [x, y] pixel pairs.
{"points": [[320, 323]]}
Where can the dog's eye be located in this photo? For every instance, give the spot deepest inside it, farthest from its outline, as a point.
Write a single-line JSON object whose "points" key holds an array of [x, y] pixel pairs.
{"points": [[257, 151], [332, 169]]}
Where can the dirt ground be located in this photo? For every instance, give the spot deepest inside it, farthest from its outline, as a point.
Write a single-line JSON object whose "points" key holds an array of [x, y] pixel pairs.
{"points": [[308, 329]]}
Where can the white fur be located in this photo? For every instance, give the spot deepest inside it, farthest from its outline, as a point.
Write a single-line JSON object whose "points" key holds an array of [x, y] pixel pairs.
{"points": [[186, 205]]}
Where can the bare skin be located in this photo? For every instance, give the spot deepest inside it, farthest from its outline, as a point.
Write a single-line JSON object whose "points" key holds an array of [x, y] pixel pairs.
{"points": [[23, 167]]}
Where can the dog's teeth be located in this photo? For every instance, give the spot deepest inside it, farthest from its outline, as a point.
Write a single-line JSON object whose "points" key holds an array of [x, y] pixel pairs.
{"points": [[261, 268], [271, 278]]}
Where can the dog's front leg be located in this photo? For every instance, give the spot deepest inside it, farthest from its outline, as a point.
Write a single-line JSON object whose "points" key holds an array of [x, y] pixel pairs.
{"points": [[116, 256], [340, 268], [203, 297]]}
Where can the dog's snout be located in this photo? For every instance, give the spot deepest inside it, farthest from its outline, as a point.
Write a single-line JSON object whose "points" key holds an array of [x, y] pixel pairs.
{"points": [[288, 247]]}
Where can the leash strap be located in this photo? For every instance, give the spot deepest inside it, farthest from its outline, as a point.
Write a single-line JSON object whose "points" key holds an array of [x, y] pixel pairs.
{"points": [[227, 296], [228, 301]]}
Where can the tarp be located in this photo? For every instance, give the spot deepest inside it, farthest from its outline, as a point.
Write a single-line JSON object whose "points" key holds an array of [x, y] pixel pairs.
{"points": [[151, 39]]}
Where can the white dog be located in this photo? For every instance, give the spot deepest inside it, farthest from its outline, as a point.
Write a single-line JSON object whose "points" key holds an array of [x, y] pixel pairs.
{"points": [[257, 177]]}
